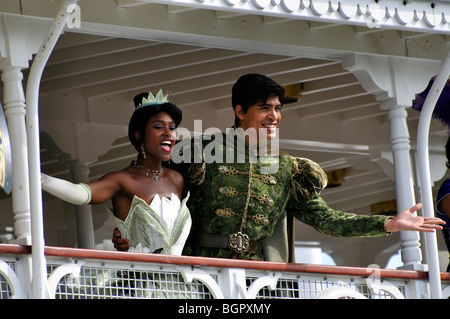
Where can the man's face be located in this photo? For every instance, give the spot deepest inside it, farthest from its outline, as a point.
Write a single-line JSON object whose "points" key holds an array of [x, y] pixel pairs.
{"points": [[265, 116]]}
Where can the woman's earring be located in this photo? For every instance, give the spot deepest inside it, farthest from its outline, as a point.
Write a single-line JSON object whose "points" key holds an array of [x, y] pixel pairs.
{"points": [[143, 151]]}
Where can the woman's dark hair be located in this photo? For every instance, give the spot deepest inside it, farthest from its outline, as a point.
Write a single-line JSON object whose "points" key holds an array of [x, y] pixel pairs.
{"points": [[142, 114], [252, 88], [447, 152]]}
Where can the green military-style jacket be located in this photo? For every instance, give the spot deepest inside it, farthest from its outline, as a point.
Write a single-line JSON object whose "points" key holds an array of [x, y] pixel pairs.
{"points": [[232, 197]]}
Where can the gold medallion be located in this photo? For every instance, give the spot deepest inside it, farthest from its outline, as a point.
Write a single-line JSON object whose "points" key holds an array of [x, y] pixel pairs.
{"points": [[238, 242]]}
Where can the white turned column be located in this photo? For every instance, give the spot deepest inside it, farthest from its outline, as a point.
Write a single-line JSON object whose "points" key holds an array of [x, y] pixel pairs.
{"points": [[14, 105], [404, 183]]}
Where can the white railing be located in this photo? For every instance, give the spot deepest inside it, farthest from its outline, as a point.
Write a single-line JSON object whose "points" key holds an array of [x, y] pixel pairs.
{"points": [[100, 274]]}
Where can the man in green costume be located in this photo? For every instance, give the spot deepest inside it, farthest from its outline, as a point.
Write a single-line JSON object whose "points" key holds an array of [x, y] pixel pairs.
{"points": [[241, 205]]}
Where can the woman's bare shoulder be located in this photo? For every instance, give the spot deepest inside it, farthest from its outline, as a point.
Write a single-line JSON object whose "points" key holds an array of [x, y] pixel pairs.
{"points": [[176, 178]]}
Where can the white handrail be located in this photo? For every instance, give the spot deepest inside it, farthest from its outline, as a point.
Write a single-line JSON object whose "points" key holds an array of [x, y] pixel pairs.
{"points": [[424, 174], [34, 160]]}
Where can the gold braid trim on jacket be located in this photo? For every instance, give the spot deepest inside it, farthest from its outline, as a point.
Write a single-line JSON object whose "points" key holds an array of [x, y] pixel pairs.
{"points": [[307, 180], [195, 173], [195, 169]]}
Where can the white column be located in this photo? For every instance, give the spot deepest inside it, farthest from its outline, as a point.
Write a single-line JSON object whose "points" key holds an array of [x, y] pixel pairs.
{"points": [[21, 37], [85, 226], [14, 105], [425, 175], [33, 143], [404, 183], [394, 81]]}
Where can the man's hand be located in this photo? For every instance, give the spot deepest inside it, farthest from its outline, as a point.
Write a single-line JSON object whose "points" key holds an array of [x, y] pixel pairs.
{"points": [[121, 244], [405, 220]]}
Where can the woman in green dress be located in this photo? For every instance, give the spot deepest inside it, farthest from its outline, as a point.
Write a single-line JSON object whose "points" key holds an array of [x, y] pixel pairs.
{"points": [[146, 196]]}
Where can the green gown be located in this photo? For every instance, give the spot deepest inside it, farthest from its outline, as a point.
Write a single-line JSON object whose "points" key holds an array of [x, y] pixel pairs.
{"points": [[163, 226]]}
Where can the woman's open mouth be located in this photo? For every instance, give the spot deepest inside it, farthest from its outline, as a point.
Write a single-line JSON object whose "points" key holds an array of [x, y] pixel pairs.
{"points": [[166, 145]]}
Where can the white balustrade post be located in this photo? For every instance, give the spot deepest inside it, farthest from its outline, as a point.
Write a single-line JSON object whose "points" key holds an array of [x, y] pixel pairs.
{"points": [[233, 283], [400, 146], [85, 226]]}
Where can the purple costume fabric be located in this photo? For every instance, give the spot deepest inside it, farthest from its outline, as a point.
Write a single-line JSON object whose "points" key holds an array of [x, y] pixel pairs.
{"points": [[442, 108], [444, 191]]}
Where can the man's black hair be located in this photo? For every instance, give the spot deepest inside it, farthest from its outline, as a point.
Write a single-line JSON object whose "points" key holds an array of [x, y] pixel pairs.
{"points": [[253, 88]]}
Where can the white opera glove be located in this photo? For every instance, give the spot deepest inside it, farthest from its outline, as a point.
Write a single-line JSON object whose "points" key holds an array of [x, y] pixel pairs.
{"points": [[78, 194]]}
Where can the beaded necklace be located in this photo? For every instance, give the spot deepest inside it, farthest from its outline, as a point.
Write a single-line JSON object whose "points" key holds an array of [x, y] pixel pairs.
{"points": [[148, 171]]}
